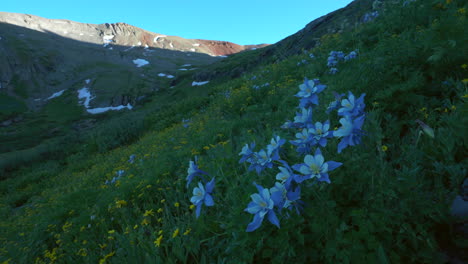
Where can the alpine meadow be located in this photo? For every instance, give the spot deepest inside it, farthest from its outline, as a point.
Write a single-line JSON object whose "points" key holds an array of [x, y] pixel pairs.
{"points": [[343, 143]]}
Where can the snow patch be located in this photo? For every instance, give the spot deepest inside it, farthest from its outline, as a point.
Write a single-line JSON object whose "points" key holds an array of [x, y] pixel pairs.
{"points": [[157, 37], [81, 34], [170, 44], [65, 32], [139, 43], [169, 76], [192, 50], [57, 94], [84, 97], [105, 109], [107, 39], [140, 62], [199, 83], [146, 46], [196, 44], [162, 75]]}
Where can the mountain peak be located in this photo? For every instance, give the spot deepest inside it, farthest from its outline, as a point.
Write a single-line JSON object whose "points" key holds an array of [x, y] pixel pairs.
{"points": [[122, 34]]}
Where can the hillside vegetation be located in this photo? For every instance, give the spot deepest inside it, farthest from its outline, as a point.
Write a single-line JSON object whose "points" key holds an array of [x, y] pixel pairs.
{"points": [[389, 192]]}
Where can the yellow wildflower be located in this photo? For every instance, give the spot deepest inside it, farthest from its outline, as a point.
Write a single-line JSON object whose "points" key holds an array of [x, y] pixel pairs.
{"points": [[453, 108], [135, 226], [384, 148], [464, 66], [465, 81], [148, 186], [82, 252], [160, 232], [120, 203], [145, 222], [149, 213], [176, 204], [192, 206], [111, 231], [103, 246], [160, 210], [187, 231], [206, 148], [163, 200], [158, 241], [66, 226], [176, 232]]}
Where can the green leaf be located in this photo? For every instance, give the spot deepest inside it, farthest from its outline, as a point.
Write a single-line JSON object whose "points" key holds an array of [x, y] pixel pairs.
{"points": [[383, 259]]}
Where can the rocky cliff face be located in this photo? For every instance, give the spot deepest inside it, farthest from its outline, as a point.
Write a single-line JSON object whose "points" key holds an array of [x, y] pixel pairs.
{"points": [[121, 34]]}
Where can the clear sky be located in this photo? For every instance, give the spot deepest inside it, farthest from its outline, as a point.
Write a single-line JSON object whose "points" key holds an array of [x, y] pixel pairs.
{"points": [[238, 21]]}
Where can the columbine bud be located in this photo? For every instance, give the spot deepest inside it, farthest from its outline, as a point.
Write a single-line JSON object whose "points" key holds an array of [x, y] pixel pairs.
{"points": [[428, 130]]}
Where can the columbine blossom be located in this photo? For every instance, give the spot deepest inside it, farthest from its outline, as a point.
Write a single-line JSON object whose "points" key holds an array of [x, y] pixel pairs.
{"points": [[274, 147], [308, 92], [193, 171], [333, 71], [247, 153], [304, 141], [303, 119], [335, 104], [261, 161], [132, 158], [315, 167], [351, 106], [261, 205], [202, 195], [350, 132], [352, 55], [285, 196], [320, 133]]}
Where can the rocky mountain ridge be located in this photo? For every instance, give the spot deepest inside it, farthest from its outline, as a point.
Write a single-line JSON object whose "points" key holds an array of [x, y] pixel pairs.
{"points": [[122, 34]]}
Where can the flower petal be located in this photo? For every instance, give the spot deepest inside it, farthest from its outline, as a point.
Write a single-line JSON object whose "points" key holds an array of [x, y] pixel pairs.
{"points": [[256, 223], [273, 219]]}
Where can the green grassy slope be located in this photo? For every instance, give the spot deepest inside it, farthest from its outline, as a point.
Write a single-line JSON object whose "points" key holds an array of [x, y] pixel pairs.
{"points": [[388, 202]]}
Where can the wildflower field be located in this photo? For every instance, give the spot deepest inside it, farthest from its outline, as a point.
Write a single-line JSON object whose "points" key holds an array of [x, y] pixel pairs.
{"points": [[350, 152]]}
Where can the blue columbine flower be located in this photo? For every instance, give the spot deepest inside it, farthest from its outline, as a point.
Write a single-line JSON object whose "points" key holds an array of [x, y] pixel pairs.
{"points": [[335, 104], [308, 92], [320, 133], [261, 161], [315, 167], [304, 141], [202, 195], [185, 123], [351, 106], [284, 196], [247, 153], [304, 118], [193, 171], [350, 132], [261, 205], [274, 147], [333, 71], [352, 55], [132, 158]]}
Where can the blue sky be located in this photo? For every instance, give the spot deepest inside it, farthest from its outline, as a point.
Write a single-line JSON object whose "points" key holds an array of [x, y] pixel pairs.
{"points": [[238, 21]]}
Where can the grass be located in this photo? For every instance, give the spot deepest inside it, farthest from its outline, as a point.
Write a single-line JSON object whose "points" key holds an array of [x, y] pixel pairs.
{"points": [[388, 203]]}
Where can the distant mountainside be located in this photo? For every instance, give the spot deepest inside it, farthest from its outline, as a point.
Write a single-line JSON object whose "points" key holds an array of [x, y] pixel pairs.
{"points": [[122, 34]]}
